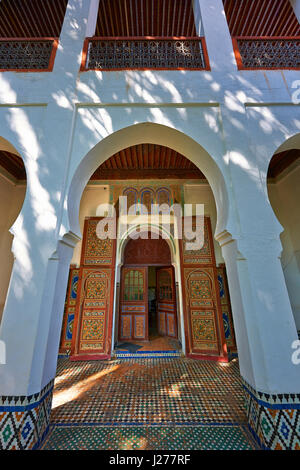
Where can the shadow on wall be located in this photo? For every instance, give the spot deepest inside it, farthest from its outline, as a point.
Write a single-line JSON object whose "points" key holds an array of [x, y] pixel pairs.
{"points": [[146, 94]]}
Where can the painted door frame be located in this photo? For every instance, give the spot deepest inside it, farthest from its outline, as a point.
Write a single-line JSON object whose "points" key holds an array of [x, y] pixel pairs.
{"points": [[175, 262], [109, 268], [174, 301], [222, 356], [131, 302], [121, 290]]}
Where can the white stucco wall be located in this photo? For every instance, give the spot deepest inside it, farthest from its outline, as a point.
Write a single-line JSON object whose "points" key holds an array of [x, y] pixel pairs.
{"points": [[228, 122]]}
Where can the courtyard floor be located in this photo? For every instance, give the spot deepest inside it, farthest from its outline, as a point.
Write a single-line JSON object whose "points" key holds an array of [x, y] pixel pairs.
{"points": [[151, 404]]}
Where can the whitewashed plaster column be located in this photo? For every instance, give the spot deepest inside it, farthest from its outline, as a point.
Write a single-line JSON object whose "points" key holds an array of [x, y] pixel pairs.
{"points": [[197, 18], [262, 312], [58, 269], [92, 18], [63, 112], [35, 295], [210, 20], [264, 323]]}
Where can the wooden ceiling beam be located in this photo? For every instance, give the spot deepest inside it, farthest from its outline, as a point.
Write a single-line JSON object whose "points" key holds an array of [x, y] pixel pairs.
{"points": [[147, 173], [13, 164], [31, 19], [147, 160], [261, 18]]}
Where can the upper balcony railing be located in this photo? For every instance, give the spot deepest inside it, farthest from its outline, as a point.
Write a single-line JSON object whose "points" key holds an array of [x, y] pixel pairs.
{"points": [[145, 53], [27, 54], [267, 53]]}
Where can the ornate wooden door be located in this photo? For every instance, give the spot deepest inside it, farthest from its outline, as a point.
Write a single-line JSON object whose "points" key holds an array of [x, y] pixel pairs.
{"points": [[133, 324], [202, 298], [69, 312], [204, 331], [94, 305], [94, 312], [166, 302], [226, 311]]}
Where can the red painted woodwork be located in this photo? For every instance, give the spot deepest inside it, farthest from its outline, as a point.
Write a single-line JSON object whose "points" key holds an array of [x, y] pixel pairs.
{"points": [[204, 331], [226, 309], [238, 56], [70, 303], [155, 252], [51, 59], [13, 164], [146, 174], [205, 66], [133, 317], [261, 18], [202, 313], [147, 161], [94, 313], [145, 18], [92, 334], [166, 302], [31, 18], [95, 251], [281, 161]]}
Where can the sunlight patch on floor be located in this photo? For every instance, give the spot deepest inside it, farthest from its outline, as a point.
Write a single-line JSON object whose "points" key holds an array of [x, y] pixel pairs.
{"points": [[76, 390]]}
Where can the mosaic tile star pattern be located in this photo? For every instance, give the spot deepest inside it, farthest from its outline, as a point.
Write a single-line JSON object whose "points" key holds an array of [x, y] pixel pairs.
{"points": [[148, 391], [149, 438], [24, 421], [274, 420], [151, 404]]}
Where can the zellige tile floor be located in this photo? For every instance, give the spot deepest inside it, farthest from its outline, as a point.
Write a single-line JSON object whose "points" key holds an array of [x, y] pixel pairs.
{"points": [[159, 404]]}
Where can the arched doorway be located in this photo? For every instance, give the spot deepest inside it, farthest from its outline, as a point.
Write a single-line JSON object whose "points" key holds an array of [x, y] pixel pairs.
{"points": [[148, 308], [98, 322], [213, 169], [284, 193], [12, 195]]}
